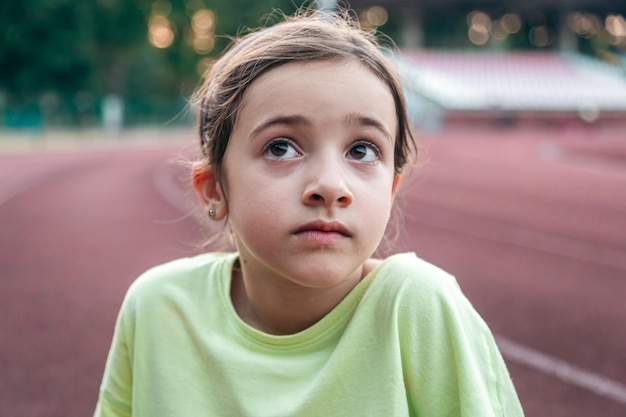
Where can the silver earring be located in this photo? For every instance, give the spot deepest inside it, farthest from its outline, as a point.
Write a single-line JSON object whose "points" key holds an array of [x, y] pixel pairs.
{"points": [[211, 212]]}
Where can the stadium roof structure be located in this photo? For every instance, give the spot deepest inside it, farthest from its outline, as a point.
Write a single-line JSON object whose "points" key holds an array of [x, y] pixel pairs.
{"points": [[547, 68], [519, 6], [573, 25]]}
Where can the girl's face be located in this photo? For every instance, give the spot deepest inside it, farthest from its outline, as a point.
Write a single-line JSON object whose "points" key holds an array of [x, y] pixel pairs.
{"points": [[309, 173]]}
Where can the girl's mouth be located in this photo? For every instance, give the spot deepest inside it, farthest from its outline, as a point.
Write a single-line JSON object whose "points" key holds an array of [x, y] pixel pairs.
{"points": [[323, 226], [322, 232]]}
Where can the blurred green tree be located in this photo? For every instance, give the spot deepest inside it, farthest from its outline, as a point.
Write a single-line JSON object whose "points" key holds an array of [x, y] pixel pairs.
{"points": [[59, 58]]}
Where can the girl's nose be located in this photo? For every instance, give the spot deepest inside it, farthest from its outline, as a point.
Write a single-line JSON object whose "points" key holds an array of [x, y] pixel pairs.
{"points": [[328, 195], [328, 188], [327, 183]]}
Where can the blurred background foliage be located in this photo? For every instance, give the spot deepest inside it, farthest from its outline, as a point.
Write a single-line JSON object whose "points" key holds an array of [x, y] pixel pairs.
{"points": [[60, 59], [89, 63]]}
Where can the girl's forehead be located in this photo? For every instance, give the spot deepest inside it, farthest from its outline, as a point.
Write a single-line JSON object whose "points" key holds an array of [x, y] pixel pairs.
{"points": [[319, 90], [319, 63], [299, 71], [341, 71]]}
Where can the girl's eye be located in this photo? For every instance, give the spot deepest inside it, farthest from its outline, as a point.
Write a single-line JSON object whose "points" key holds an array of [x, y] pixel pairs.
{"points": [[364, 152], [281, 149]]}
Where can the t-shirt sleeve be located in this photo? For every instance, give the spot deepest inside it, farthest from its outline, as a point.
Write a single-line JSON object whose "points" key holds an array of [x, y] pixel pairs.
{"points": [[452, 364], [115, 399]]}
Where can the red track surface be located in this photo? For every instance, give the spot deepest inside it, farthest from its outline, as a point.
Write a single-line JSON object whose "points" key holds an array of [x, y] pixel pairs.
{"points": [[532, 223]]}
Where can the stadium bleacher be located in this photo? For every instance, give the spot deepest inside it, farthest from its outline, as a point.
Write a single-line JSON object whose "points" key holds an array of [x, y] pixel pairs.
{"points": [[514, 86]]}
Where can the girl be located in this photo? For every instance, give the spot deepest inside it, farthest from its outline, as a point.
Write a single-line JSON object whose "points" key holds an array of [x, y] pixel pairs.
{"points": [[304, 136]]}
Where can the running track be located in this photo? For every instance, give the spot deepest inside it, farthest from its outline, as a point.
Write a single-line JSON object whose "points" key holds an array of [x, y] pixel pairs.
{"points": [[532, 223]]}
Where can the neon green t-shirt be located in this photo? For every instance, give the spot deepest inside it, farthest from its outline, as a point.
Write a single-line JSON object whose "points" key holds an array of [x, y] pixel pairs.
{"points": [[404, 342]]}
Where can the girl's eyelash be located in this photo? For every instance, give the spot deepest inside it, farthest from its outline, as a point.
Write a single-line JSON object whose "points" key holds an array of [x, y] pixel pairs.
{"points": [[287, 149], [368, 143], [279, 140], [283, 140]]}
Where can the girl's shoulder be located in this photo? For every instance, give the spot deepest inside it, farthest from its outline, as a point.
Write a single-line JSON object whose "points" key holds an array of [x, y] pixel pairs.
{"points": [[421, 295], [415, 285], [186, 272], [409, 271]]}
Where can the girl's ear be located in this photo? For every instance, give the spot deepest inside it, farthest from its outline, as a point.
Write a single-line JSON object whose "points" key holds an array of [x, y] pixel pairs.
{"points": [[209, 190], [396, 183]]}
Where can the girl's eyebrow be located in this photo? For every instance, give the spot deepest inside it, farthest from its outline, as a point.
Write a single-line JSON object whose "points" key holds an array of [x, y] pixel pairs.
{"points": [[356, 119], [353, 119], [290, 120]]}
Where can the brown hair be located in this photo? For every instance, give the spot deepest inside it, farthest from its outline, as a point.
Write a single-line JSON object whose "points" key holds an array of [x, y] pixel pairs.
{"points": [[301, 38]]}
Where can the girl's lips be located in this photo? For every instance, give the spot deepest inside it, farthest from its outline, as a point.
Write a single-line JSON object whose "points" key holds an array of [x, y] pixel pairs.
{"points": [[323, 228], [320, 238]]}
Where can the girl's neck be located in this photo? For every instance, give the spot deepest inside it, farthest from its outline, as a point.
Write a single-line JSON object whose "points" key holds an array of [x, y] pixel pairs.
{"points": [[283, 311]]}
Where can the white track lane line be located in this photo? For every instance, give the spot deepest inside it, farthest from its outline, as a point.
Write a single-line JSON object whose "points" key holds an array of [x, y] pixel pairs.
{"points": [[171, 192], [15, 188], [446, 219], [562, 370]]}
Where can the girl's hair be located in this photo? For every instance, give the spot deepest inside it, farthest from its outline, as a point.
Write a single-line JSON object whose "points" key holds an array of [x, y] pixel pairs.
{"points": [[301, 38]]}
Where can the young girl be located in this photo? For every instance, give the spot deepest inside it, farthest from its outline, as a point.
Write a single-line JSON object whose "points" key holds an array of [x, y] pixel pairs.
{"points": [[304, 137]]}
